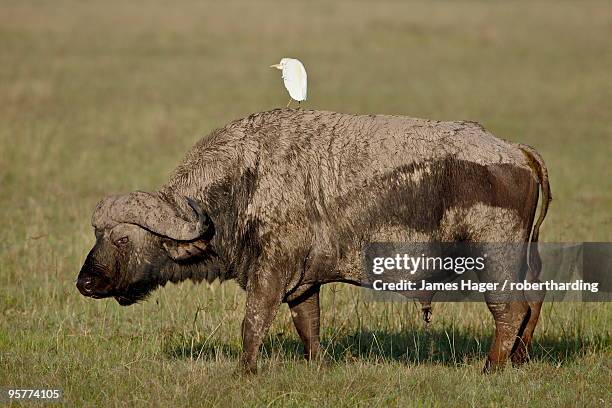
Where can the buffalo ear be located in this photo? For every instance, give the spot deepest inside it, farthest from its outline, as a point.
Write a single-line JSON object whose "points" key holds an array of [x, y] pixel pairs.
{"points": [[183, 251]]}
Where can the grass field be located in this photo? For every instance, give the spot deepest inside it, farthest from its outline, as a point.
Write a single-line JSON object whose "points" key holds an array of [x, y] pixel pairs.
{"points": [[105, 97]]}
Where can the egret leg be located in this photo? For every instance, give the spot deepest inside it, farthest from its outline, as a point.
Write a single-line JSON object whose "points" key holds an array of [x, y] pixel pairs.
{"points": [[288, 103]]}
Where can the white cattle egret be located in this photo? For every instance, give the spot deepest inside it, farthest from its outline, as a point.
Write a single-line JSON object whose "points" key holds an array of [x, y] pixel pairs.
{"points": [[294, 76]]}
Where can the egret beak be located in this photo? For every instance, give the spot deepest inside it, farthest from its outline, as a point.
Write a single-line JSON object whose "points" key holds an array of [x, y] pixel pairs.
{"points": [[277, 66]]}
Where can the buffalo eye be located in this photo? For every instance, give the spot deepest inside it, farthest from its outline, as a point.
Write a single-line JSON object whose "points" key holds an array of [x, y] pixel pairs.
{"points": [[122, 241]]}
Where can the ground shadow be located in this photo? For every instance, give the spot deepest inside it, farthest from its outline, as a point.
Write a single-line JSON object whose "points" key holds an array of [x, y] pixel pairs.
{"points": [[446, 347]]}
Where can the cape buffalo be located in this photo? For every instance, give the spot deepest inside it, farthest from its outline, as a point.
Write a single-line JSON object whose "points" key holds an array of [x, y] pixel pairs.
{"points": [[285, 201]]}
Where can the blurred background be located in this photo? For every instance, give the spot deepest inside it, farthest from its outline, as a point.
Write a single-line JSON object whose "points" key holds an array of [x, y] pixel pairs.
{"points": [[106, 97]]}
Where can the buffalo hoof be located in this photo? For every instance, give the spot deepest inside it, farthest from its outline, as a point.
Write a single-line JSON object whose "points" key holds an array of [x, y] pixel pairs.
{"points": [[244, 369], [319, 362], [519, 357], [493, 367]]}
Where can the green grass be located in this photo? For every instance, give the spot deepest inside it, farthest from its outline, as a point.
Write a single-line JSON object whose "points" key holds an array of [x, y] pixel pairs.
{"points": [[104, 97]]}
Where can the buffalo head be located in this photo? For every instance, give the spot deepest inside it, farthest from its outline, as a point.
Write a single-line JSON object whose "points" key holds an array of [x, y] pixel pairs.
{"points": [[138, 236]]}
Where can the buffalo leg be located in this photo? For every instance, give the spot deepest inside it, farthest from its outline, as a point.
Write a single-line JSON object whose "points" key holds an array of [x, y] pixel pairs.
{"points": [[510, 320], [510, 310], [262, 303], [521, 353], [306, 316]]}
